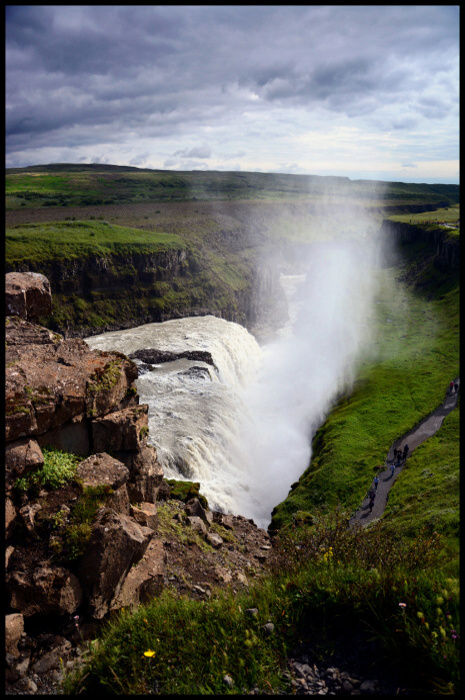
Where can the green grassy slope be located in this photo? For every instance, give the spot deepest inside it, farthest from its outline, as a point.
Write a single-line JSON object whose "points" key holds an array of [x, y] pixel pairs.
{"points": [[418, 355], [138, 289]]}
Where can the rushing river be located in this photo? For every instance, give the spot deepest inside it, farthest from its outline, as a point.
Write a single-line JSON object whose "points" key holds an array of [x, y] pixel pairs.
{"points": [[243, 428]]}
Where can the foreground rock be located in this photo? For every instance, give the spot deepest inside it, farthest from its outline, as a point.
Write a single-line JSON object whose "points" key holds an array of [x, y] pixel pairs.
{"points": [[117, 542], [27, 295], [54, 389], [70, 549]]}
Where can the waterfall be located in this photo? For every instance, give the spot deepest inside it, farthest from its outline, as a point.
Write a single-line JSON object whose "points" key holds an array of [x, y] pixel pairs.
{"points": [[244, 428], [194, 409]]}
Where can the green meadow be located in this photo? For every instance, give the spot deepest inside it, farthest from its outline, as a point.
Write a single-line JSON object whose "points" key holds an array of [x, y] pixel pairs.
{"points": [[41, 243], [64, 185], [414, 356]]}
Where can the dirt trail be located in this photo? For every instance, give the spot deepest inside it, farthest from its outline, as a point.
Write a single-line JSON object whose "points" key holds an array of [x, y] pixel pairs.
{"points": [[428, 427]]}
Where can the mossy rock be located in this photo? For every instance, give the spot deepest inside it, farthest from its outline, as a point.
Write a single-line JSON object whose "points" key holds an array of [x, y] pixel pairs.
{"points": [[185, 490]]}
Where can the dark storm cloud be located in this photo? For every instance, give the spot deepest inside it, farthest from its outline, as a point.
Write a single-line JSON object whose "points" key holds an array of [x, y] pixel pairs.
{"points": [[93, 74]]}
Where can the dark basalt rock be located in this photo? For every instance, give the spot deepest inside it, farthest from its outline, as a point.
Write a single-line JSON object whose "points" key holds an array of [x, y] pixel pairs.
{"points": [[152, 356]]}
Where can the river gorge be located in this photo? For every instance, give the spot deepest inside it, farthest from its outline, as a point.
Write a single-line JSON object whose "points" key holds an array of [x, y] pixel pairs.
{"points": [[243, 427]]}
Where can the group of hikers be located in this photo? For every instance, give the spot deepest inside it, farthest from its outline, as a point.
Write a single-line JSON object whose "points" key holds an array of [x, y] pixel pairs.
{"points": [[399, 459]]}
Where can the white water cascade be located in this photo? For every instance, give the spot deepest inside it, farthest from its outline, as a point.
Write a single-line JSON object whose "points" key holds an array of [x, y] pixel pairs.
{"points": [[244, 429], [195, 409]]}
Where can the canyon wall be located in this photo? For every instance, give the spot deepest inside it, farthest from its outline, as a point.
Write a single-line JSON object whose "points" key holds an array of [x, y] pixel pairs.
{"points": [[445, 246], [103, 293]]}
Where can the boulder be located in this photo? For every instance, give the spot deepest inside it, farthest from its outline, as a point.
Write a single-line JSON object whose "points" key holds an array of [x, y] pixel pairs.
{"points": [[27, 294], [196, 524], [225, 520], [22, 456], [45, 590], [145, 579], [145, 514], [119, 501], [194, 507], [214, 540], [101, 469], [152, 356], [121, 430], [117, 542], [146, 474], [14, 628]]}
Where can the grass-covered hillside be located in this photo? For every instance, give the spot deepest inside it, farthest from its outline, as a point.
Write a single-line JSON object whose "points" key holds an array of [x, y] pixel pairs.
{"points": [[62, 185], [106, 275], [415, 358]]}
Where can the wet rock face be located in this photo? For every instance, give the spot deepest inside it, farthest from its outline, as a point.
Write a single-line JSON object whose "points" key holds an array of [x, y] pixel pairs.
{"points": [[27, 294]]}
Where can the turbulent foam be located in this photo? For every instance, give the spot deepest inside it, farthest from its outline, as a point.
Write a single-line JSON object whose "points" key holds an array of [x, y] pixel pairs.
{"points": [[194, 415]]}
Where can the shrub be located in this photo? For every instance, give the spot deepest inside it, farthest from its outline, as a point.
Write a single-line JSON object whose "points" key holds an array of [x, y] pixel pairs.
{"points": [[58, 469]]}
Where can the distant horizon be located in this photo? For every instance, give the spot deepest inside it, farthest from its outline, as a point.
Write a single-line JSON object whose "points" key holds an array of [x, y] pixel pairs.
{"points": [[368, 92], [216, 170]]}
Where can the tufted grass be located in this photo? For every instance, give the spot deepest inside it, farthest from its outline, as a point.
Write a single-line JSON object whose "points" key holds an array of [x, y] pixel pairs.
{"points": [[174, 645]]}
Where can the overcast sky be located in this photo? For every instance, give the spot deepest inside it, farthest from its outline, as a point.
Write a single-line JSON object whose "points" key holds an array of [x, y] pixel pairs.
{"points": [[361, 91]]}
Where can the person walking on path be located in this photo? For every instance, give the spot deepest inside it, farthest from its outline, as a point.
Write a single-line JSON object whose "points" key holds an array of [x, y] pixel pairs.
{"points": [[424, 430], [405, 452], [456, 387], [451, 387], [376, 482], [371, 503]]}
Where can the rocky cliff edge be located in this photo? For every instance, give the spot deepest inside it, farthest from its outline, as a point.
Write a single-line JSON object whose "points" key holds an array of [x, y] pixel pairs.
{"points": [[109, 537]]}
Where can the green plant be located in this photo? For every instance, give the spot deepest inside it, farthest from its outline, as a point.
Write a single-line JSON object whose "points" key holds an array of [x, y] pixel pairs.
{"points": [[77, 533], [185, 490], [58, 469], [143, 432]]}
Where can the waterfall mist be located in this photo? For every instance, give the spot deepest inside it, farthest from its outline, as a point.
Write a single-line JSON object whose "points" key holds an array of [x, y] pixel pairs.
{"points": [[303, 372]]}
